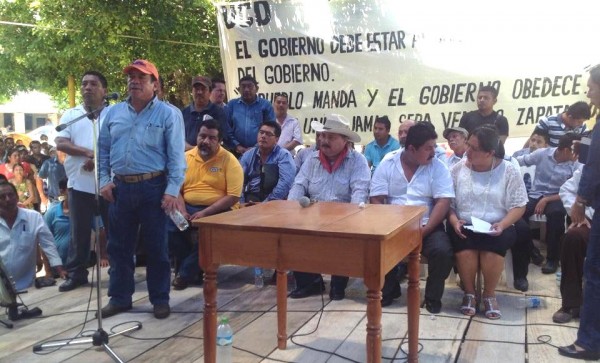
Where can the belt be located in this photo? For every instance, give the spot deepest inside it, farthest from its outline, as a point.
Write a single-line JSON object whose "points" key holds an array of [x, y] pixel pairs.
{"points": [[136, 178]]}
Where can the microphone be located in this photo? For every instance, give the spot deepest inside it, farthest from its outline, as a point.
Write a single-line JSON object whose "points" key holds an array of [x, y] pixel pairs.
{"points": [[305, 202], [112, 96], [61, 127]]}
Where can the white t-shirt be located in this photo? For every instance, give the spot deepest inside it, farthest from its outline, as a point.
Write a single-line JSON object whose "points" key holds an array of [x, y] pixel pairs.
{"points": [[81, 133]]}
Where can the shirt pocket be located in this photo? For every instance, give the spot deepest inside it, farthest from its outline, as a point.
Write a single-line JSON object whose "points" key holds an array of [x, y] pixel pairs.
{"points": [[154, 136], [25, 245]]}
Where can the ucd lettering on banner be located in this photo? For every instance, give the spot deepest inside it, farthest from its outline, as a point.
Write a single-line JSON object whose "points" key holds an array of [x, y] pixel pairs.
{"points": [[418, 60]]}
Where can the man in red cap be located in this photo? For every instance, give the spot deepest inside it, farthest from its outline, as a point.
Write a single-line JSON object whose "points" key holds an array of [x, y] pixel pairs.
{"points": [[201, 109], [141, 144]]}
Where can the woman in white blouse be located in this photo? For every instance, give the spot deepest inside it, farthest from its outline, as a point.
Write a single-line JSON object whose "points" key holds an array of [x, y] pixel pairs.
{"points": [[491, 189]]}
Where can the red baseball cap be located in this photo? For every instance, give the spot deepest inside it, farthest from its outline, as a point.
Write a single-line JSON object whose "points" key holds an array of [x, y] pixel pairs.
{"points": [[143, 66]]}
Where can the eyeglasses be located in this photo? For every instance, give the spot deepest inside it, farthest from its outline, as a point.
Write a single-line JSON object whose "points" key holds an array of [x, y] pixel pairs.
{"points": [[266, 133]]}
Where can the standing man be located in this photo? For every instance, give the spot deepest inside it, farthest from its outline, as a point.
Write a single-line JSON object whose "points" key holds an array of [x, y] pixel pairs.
{"points": [[21, 230], [587, 345], [485, 114], [246, 114], [77, 141], [291, 135], [194, 114], [383, 143], [414, 176], [334, 173], [213, 184], [142, 144], [218, 95], [269, 169]]}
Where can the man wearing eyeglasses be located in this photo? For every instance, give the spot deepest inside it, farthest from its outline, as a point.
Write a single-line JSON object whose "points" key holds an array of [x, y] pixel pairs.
{"points": [[269, 169], [245, 115]]}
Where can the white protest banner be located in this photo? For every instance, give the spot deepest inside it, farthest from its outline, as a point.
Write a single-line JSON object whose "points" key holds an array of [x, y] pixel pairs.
{"points": [[421, 60]]}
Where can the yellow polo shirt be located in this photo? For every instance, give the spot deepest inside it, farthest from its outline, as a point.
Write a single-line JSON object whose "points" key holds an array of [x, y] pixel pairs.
{"points": [[207, 181]]}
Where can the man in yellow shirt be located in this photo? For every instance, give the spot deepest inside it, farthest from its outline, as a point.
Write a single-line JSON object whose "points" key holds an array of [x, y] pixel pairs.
{"points": [[213, 184]]}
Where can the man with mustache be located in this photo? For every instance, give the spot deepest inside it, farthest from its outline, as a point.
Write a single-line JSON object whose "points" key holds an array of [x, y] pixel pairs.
{"points": [[457, 141], [333, 173], [246, 114], [77, 141], [414, 176], [142, 144], [212, 184]]}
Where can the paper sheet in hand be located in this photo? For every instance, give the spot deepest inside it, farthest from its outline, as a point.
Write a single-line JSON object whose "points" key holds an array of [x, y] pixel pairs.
{"points": [[479, 226]]}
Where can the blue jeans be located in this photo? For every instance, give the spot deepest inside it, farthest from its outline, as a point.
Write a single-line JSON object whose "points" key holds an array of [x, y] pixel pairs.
{"points": [[588, 335], [185, 252], [138, 205]]}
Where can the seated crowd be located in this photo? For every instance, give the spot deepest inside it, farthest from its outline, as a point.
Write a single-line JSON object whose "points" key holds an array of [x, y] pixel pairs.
{"points": [[231, 164]]}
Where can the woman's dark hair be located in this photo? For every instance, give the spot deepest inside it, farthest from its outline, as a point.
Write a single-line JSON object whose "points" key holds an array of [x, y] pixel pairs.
{"points": [[489, 141]]}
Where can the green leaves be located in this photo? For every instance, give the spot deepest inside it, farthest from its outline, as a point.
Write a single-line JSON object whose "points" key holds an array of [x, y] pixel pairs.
{"points": [[42, 42]]}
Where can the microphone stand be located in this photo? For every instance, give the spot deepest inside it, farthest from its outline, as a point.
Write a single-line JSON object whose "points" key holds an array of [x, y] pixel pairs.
{"points": [[100, 336]]}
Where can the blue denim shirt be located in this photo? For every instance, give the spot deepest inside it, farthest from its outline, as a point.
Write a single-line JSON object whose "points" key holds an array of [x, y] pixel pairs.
{"points": [[244, 120], [138, 143], [287, 171], [589, 185], [549, 174]]}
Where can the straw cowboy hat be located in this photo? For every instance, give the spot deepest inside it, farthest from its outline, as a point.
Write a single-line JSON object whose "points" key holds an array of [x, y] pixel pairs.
{"points": [[336, 124]]}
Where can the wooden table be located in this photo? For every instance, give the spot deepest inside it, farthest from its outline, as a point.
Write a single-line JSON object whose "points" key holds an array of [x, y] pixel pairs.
{"points": [[326, 237]]}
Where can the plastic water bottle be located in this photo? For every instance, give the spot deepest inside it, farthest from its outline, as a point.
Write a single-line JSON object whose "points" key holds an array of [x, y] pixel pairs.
{"points": [[259, 277], [532, 302], [558, 277], [179, 220], [224, 341]]}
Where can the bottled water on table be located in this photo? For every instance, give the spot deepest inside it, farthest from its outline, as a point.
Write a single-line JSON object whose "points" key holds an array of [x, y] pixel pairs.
{"points": [[533, 302], [179, 220], [259, 277], [224, 341]]}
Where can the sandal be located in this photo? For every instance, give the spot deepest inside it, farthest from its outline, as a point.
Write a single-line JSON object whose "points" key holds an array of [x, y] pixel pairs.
{"points": [[468, 305], [491, 308]]}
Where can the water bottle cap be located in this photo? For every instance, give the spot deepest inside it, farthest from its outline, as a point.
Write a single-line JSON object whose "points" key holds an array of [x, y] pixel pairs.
{"points": [[224, 320]]}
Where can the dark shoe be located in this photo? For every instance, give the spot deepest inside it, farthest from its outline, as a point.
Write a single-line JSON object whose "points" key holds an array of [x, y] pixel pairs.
{"points": [[179, 283], [550, 267], [313, 289], [44, 282], [110, 310], [433, 306], [572, 352], [521, 284], [536, 257], [388, 299], [565, 315], [162, 311], [337, 294], [71, 284]]}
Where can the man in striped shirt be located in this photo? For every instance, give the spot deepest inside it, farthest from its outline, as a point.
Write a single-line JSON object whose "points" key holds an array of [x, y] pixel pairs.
{"points": [[570, 121]]}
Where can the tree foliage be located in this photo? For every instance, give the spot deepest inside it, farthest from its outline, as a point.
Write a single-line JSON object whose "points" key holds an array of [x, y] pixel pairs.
{"points": [[42, 42]]}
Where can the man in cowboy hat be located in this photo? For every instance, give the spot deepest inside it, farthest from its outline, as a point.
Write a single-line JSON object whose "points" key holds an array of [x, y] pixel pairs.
{"points": [[334, 173]]}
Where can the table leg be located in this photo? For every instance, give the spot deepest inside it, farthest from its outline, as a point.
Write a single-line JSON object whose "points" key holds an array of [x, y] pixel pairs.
{"points": [[373, 323], [281, 309], [413, 304], [210, 315]]}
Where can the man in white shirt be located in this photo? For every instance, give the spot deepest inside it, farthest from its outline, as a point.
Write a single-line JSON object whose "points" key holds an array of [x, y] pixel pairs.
{"points": [[77, 141], [291, 135], [21, 230], [414, 176]]}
